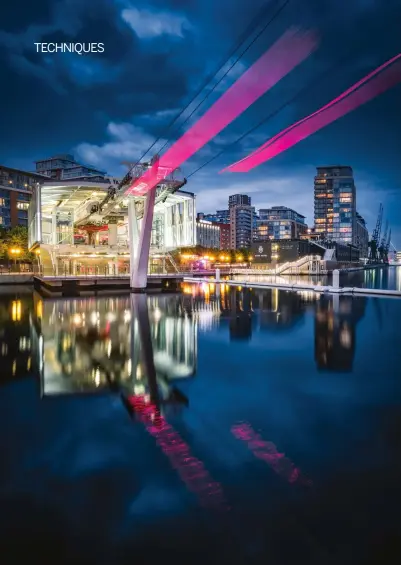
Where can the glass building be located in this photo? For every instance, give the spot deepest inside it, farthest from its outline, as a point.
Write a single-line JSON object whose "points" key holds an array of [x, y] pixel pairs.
{"points": [[335, 204], [279, 222], [72, 235]]}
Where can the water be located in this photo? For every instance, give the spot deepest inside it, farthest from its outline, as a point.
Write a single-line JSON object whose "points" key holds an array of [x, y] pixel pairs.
{"points": [[234, 426], [388, 278]]}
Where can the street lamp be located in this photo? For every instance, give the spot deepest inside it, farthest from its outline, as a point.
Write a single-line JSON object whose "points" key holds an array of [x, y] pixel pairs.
{"points": [[15, 252]]}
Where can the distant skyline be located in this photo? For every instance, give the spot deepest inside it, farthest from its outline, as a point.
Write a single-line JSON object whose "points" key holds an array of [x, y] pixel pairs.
{"points": [[109, 107]]}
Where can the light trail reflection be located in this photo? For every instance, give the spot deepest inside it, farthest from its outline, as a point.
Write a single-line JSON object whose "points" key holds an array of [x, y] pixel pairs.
{"points": [[267, 451], [190, 469]]}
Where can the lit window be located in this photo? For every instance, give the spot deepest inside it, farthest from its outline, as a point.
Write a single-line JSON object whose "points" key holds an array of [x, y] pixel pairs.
{"points": [[22, 205]]}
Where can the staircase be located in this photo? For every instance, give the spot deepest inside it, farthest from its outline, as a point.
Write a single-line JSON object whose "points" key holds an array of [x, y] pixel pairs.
{"points": [[47, 262]]}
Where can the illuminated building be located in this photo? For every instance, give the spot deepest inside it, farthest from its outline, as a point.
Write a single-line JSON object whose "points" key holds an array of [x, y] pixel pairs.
{"points": [[335, 203], [279, 222], [207, 234], [241, 218], [75, 236], [282, 251], [16, 188]]}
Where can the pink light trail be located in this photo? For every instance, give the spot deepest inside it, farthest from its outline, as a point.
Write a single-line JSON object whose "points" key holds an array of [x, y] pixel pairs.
{"points": [[289, 51], [374, 84], [190, 469], [267, 451]]}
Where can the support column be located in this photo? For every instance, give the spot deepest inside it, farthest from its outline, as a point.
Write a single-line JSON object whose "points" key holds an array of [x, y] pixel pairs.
{"points": [[133, 233], [54, 229], [139, 266], [112, 225]]}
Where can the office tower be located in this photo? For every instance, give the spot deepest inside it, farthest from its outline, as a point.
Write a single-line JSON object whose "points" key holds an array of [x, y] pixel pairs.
{"points": [[335, 204], [279, 222], [240, 221]]}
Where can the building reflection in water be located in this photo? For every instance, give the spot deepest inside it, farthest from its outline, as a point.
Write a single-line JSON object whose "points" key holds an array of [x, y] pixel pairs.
{"points": [[17, 350], [335, 335], [241, 314], [92, 344], [283, 310]]}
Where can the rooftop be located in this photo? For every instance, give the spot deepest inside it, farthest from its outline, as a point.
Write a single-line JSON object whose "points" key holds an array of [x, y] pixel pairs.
{"points": [[21, 171]]}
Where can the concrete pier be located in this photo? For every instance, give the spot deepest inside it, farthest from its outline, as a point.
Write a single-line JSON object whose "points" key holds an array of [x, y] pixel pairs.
{"points": [[301, 286]]}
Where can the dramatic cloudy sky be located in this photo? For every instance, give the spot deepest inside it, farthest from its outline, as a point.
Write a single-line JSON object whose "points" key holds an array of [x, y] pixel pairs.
{"points": [[108, 108]]}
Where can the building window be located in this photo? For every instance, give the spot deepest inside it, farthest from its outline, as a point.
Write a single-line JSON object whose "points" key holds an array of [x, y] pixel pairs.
{"points": [[22, 205]]}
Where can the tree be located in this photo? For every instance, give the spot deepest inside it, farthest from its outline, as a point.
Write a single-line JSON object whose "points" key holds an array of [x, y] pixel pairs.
{"points": [[15, 238]]}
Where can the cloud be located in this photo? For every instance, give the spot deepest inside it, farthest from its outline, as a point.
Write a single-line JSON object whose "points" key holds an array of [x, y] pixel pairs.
{"points": [[294, 190], [127, 143], [85, 71], [148, 25], [22, 65]]}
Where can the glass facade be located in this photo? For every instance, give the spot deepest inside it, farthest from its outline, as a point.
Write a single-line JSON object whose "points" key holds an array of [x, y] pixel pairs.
{"points": [[279, 222], [335, 204], [207, 234]]}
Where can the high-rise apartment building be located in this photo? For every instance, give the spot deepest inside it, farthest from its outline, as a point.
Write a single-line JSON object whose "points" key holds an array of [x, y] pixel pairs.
{"points": [[15, 194], [239, 200], [335, 204], [65, 167], [241, 215], [279, 222]]}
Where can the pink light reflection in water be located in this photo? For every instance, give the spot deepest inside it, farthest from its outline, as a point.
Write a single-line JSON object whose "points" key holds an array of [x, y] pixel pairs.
{"points": [[375, 83], [289, 51], [190, 469], [267, 451]]}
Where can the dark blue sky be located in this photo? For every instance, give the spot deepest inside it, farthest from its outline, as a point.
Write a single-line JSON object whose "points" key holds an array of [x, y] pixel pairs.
{"points": [[109, 107]]}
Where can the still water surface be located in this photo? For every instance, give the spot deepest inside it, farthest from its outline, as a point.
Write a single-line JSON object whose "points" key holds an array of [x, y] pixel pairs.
{"points": [[227, 425], [388, 278]]}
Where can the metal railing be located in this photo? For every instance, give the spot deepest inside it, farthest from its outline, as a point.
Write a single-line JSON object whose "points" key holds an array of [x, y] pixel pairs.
{"points": [[24, 269]]}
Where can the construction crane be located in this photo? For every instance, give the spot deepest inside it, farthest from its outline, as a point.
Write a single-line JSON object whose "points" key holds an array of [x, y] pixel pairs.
{"points": [[375, 241], [387, 248], [382, 247]]}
